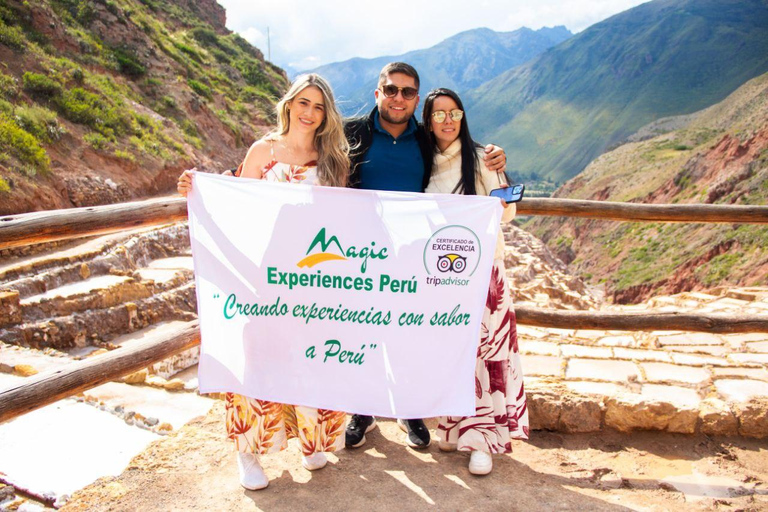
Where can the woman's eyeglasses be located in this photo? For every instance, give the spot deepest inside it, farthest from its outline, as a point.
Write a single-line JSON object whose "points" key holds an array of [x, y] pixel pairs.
{"points": [[440, 115], [390, 91]]}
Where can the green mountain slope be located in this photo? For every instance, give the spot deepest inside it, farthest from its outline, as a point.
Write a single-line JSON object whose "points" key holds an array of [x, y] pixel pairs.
{"points": [[461, 62], [718, 155], [107, 100], [558, 112]]}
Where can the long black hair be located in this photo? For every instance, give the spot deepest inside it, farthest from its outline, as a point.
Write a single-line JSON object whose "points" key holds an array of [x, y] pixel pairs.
{"points": [[470, 164]]}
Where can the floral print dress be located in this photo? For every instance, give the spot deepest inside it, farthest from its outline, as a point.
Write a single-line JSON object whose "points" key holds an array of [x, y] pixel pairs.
{"points": [[261, 426], [501, 412]]}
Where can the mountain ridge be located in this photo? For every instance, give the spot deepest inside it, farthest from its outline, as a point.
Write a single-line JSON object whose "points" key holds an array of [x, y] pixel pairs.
{"points": [[462, 61], [558, 112], [718, 156]]}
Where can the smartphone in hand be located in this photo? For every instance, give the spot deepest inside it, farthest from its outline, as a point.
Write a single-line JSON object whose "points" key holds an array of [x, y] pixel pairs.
{"points": [[510, 194]]}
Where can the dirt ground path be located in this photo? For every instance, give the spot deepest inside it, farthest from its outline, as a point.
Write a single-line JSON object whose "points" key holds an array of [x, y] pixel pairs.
{"points": [[195, 469]]}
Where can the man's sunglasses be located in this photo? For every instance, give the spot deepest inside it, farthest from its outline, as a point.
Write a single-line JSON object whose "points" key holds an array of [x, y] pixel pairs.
{"points": [[440, 115], [390, 91]]}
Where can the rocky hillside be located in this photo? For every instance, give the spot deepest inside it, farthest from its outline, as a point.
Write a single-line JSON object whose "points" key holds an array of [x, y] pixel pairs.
{"points": [[461, 62], [718, 155], [563, 109], [107, 100]]}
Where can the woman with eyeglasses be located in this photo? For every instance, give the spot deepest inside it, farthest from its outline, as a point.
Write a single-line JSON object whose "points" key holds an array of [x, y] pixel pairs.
{"points": [[500, 404], [307, 147]]}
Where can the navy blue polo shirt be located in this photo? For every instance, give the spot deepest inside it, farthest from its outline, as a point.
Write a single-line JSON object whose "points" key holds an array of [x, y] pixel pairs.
{"points": [[393, 163]]}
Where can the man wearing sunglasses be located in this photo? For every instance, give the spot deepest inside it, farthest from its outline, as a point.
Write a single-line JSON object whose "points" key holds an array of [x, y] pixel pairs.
{"points": [[390, 151]]}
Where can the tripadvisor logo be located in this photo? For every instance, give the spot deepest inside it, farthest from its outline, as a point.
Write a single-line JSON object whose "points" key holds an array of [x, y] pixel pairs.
{"points": [[451, 256], [331, 249]]}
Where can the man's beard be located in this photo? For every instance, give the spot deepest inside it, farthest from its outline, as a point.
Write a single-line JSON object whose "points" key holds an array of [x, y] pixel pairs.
{"points": [[385, 116]]}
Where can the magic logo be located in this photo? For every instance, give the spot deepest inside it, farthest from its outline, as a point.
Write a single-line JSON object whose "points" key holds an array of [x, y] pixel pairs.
{"points": [[331, 249]]}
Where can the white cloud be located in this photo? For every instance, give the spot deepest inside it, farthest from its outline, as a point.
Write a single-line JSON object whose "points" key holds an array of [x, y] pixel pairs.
{"points": [[305, 34], [255, 37]]}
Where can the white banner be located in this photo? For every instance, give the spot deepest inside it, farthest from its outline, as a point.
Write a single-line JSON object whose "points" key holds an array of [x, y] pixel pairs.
{"points": [[359, 301]]}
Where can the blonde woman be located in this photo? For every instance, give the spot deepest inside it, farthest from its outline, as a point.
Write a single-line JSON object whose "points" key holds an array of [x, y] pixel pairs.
{"points": [[307, 147]]}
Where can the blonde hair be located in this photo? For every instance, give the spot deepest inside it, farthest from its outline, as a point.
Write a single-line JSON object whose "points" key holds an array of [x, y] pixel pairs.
{"points": [[330, 141]]}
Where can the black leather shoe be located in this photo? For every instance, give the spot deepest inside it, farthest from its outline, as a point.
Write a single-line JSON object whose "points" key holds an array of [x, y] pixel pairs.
{"points": [[416, 433], [358, 426]]}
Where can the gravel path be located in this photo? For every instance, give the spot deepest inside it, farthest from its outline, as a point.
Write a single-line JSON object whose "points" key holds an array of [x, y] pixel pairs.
{"points": [[195, 469]]}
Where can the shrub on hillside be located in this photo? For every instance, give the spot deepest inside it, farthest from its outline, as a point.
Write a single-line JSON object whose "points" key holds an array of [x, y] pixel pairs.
{"points": [[128, 63], [250, 94], [718, 268], [6, 107], [81, 10], [12, 37], [252, 73], [152, 4], [77, 75], [168, 102], [6, 15], [22, 144], [185, 48], [245, 46], [150, 138], [220, 56], [200, 88], [85, 12], [9, 87], [205, 36], [124, 155], [112, 7], [84, 107], [189, 129], [96, 140], [40, 85], [39, 121], [221, 47]]}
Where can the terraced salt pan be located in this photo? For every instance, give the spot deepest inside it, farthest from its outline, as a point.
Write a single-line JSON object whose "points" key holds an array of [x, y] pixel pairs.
{"points": [[179, 262], [596, 388], [741, 390], [188, 376], [165, 269], [86, 286], [65, 446], [158, 275], [80, 352], [679, 396], [7, 380], [13, 356], [174, 408], [163, 329], [758, 346], [89, 248]]}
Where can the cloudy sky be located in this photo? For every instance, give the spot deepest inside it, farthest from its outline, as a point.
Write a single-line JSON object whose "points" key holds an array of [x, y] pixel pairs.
{"points": [[307, 33]]}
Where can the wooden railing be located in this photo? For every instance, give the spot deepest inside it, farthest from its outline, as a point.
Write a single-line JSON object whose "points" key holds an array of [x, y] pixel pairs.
{"points": [[48, 387], [37, 391], [53, 225], [49, 226]]}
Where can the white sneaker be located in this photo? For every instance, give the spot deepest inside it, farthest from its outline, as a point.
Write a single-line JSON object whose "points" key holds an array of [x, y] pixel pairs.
{"points": [[480, 463], [446, 447], [315, 461], [252, 476]]}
